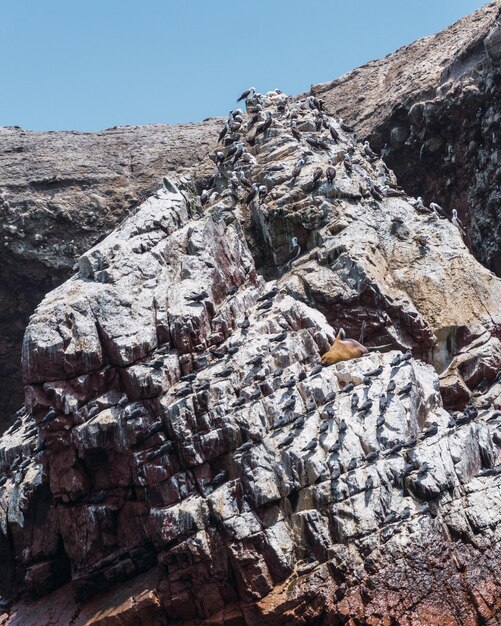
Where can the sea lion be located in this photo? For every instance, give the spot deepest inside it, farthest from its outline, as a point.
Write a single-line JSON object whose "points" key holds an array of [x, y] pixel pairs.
{"points": [[343, 350]]}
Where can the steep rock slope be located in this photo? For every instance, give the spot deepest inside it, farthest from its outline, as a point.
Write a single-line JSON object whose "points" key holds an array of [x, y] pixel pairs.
{"points": [[179, 424], [60, 192], [435, 106]]}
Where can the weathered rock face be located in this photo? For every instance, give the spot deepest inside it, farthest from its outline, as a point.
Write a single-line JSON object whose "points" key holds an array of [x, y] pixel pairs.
{"points": [[435, 105], [177, 422], [60, 193]]}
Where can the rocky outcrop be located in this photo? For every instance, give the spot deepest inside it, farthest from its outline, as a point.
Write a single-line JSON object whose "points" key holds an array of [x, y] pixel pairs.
{"points": [[184, 459], [435, 106], [60, 192]]}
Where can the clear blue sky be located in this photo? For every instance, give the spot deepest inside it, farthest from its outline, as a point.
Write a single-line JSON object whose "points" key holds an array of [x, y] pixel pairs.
{"points": [[92, 64]]}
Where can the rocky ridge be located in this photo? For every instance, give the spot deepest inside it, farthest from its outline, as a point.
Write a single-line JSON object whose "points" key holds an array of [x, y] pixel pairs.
{"points": [[434, 106], [178, 422]]}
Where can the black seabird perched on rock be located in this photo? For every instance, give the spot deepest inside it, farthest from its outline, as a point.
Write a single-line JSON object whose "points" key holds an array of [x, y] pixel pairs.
{"points": [[247, 94], [406, 389], [269, 294], [317, 175], [287, 441], [330, 174], [310, 446], [262, 128]]}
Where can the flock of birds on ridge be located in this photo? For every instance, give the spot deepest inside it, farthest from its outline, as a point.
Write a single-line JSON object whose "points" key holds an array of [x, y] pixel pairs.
{"points": [[236, 155], [234, 158]]}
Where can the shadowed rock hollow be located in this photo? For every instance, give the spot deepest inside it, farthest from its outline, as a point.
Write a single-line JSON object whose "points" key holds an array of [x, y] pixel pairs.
{"points": [[183, 459]]}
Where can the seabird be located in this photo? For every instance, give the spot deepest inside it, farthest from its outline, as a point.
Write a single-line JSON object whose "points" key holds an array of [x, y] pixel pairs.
{"points": [[219, 478], [204, 197], [294, 130], [310, 446], [223, 132], [263, 192], [347, 388], [316, 370], [457, 222], [245, 447], [346, 127], [245, 181], [323, 427], [317, 175], [297, 168], [248, 94], [253, 194], [198, 297], [185, 391], [376, 372], [256, 360], [224, 373], [49, 416], [265, 305], [342, 426], [299, 422], [295, 251], [290, 404], [354, 401], [406, 389], [289, 383], [347, 163], [334, 134], [352, 464], [280, 337], [255, 394], [431, 431], [287, 441], [269, 294], [330, 174], [366, 406], [262, 128], [383, 403], [368, 151], [371, 457], [437, 208]]}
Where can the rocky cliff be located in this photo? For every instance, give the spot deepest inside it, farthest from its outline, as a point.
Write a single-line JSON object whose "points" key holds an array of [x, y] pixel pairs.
{"points": [[184, 459], [434, 106], [60, 193]]}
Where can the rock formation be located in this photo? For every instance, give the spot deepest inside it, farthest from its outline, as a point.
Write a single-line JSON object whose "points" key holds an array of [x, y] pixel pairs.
{"points": [[184, 459], [60, 192], [435, 105]]}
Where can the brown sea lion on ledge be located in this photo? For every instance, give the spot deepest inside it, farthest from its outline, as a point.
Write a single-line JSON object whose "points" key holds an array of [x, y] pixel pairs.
{"points": [[343, 350]]}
